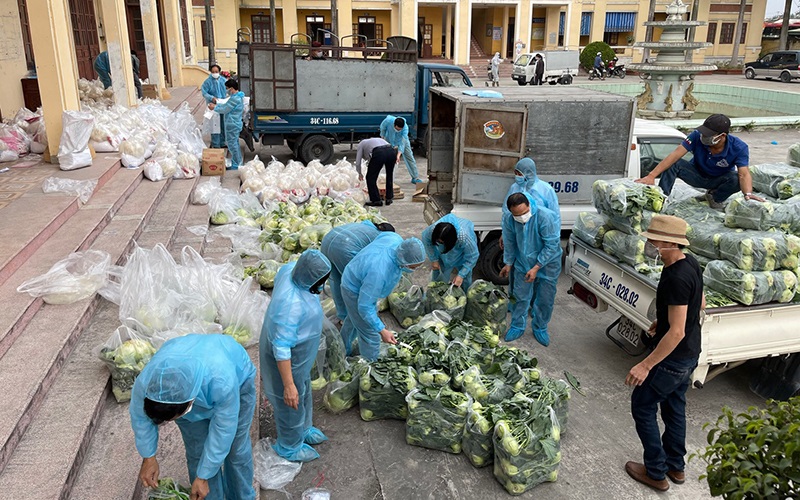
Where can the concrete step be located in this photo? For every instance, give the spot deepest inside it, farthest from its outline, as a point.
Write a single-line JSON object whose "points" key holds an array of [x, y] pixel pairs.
{"points": [[77, 232], [43, 214], [54, 330]]}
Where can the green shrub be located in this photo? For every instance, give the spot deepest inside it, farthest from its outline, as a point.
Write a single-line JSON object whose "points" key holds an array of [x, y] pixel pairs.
{"points": [[756, 454], [591, 50]]}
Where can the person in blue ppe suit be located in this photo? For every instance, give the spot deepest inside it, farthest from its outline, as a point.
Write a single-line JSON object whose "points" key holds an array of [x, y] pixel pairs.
{"points": [[289, 342], [370, 276], [214, 88], [533, 253], [206, 384], [452, 248], [394, 130], [103, 69], [340, 246], [232, 109]]}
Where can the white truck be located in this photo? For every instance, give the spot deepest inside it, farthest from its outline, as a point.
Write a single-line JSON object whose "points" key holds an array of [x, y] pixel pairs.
{"points": [[560, 66], [576, 136], [730, 335]]}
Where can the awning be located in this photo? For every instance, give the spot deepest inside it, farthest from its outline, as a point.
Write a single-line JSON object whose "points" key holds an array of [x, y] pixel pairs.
{"points": [[620, 22], [586, 23]]}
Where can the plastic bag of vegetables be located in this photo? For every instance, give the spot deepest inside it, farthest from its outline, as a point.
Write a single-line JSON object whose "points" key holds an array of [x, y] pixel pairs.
{"points": [[407, 306], [442, 296], [436, 418], [311, 236], [243, 316], [487, 305], [749, 214], [477, 443], [591, 227], [767, 179], [787, 217], [691, 210], [320, 367], [752, 250], [202, 193], [125, 353], [495, 384], [478, 337], [704, 238], [222, 206], [432, 369], [632, 224], [335, 362], [76, 277], [623, 197], [383, 388], [745, 287], [169, 489], [342, 394], [264, 272], [626, 248], [785, 286], [527, 445], [460, 358], [555, 393]]}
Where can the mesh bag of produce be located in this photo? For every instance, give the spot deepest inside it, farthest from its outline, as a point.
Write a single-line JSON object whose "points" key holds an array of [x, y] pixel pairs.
{"points": [[477, 442], [436, 418], [487, 305], [383, 389], [342, 394], [590, 228], [625, 247], [442, 296], [125, 353], [749, 214], [527, 445], [745, 287]]}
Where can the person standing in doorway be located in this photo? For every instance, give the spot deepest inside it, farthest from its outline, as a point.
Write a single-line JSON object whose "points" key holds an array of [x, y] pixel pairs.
{"points": [[663, 377], [394, 130]]}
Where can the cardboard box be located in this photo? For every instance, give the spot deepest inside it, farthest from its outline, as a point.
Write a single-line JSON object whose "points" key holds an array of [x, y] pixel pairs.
{"points": [[150, 91], [213, 162]]}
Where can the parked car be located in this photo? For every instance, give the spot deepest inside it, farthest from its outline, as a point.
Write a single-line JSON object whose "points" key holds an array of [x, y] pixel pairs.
{"points": [[784, 65]]}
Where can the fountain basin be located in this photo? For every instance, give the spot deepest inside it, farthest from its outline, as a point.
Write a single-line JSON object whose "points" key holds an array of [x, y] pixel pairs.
{"points": [[674, 24], [669, 68], [674, 45]]}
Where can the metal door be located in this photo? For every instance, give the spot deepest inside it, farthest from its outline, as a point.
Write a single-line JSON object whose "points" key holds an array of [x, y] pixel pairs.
{"points": [[84, 30]]}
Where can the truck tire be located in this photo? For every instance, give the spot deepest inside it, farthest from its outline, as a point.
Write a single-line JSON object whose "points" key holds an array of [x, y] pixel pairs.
{"points": [[423, 148], [565, 80], [552, 82], [316, 147], [491, 262], [521, 83]]}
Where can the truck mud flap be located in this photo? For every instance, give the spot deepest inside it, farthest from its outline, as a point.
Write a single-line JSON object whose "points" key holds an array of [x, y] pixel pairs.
{"points": [[622, 344], [777, 377]]}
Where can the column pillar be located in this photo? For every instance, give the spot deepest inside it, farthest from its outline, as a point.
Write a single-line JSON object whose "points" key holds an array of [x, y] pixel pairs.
{"points": [[119, 53], [152, 44], [174, 32], [504, 38], [289, 18], [55, 64], [551, 22], [463, 32], [522, 24], [345, 13], [598, 23], [448, 28], [572, 27]]}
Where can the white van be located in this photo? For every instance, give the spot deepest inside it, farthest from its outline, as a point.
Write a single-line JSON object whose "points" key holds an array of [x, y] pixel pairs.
{"points": [[560, 66]]}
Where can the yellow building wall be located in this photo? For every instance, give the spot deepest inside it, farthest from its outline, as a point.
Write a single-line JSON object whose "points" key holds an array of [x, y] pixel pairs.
{"points": [[12, 59], [246, 20], [434, 16], [382, 17], [480, 19], [498, 22], [226, 20], [538, 34]]}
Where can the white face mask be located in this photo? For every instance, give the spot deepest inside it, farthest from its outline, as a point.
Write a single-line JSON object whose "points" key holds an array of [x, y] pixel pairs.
{"points": [[215, 75], [522, 219]]}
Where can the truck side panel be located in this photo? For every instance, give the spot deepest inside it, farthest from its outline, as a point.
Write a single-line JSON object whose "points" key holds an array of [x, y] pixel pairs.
{"points": [[353, 85]]}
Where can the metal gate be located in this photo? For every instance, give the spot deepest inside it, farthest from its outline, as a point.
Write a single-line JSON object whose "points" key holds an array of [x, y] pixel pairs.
{"points": [[84, 30]]}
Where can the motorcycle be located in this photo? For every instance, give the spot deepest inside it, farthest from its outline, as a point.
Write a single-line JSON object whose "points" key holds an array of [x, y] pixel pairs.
{"points": [[597, 73], [615, 69]]}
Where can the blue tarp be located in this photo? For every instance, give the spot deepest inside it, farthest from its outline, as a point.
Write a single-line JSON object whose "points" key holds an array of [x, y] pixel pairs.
{"points": [[620, 22]]}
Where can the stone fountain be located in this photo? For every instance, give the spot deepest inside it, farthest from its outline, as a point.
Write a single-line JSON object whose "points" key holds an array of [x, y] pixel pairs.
{"points": [[669, 80]]}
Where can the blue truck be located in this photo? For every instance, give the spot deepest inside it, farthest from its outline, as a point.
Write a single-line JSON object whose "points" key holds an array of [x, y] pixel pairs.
{"points": [[312, 104]]}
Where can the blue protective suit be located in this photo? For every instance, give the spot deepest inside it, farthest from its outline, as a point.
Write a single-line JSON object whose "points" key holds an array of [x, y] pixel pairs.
{"points": [[400, 141], [461, 258], [215, 88], [291, 331], [542, 192], [537, 241], [232, 109], [216, 373], [340, 246], [103, 68], [370, 276]]}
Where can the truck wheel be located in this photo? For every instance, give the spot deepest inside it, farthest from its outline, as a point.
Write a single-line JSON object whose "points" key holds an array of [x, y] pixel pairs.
{"points": [[491, 262], [565, 80], [316, 147], [521, 83], [423, 148], [552, 82]]}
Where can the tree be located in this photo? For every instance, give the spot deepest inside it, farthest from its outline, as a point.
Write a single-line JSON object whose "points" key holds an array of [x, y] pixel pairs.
{"points": [[738, 35], [212, 54], [787, 14], [591, 50]]}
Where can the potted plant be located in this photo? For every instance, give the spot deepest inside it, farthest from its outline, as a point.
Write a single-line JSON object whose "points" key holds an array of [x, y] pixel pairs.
{"points": [[755, 454]]}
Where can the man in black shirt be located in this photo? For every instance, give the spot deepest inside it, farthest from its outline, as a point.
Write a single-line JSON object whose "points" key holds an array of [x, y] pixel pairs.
{"points": [[662, 378]]}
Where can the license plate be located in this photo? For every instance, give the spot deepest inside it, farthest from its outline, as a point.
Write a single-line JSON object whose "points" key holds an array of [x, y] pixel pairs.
{"points": [[629, 331]]}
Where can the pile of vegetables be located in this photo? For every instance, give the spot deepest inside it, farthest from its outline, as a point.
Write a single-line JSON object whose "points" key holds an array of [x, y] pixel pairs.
{"points": [[436, 418], [591, 228], [297, 183], [169, 489], [126, 355], [778, 180], [446, 297], [623, 197], [632, 224], [750, 288], [749, 214], [626, 248], [527, 444], [487, 305]]}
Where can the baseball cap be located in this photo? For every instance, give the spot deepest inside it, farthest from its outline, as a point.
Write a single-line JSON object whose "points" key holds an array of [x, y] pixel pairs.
{"points": [[715, 125]]}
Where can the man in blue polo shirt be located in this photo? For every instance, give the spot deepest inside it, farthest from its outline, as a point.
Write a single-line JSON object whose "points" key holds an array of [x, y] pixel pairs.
{"points": [[719, 165]]}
